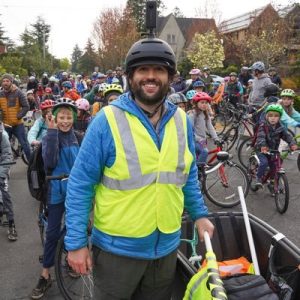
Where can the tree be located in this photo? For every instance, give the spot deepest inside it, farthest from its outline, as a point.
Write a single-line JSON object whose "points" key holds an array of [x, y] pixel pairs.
{"points": [[12, 64], [209, 9], [76, 55], [88, 60], [64, 64], [41, 32], [138, 12], [177, 12], [3, 39], [206, 50], [114, 33]]}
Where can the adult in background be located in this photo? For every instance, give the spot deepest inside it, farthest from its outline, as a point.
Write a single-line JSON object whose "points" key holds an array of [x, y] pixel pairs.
{"points": [[178, 83], [139, 199], [119, 76], [207, 79], [195, 76], [14, 105], [260, 82], [274, 76]]}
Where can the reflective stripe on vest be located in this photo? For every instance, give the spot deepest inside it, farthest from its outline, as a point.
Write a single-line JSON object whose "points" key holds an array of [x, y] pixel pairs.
{"points": [[137, 179]]}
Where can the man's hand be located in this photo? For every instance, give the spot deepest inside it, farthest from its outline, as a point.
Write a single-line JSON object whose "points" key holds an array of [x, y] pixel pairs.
{"points": [[202, 225], [80, 260]]}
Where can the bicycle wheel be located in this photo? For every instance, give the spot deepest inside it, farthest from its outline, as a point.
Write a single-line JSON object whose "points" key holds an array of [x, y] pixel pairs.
{"points": [[245, 150], [219, 123], [14, 143], [282, 195], [220, 186], [251, 171], [23, 156], [42, 222], [298, 162], [72, 286], [230, 137]]}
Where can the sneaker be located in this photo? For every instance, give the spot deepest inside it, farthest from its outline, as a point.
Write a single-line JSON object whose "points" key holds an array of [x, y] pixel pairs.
{"points": [[256, 184], [12, 233], [42, 286]]}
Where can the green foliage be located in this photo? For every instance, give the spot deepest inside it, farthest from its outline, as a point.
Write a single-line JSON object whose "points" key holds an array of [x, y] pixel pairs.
{"points": [[64, 64], [227, 71], [206, 50], [76, 55], [41, 32], [184, 66], [2, 69], [297, 103], [12, 64], [88, 60]]}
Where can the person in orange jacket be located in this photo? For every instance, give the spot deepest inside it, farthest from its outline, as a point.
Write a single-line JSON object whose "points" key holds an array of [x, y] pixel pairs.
{"points": [[68, 92]]}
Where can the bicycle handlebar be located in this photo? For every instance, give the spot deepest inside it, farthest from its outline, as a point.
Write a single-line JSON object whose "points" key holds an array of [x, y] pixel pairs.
{"points": [[57, 177], [8, 163]]}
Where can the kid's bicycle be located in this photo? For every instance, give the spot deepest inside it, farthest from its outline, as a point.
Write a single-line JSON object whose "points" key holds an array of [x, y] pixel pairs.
{"points": [[275, 179]]}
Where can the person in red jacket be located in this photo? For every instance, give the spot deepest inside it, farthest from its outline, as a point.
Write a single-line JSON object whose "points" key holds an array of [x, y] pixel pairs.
{"points": [[68, 92]]}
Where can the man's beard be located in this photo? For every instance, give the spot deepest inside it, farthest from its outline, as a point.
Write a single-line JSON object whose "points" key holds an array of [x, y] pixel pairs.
{"points": [[140, 95]]}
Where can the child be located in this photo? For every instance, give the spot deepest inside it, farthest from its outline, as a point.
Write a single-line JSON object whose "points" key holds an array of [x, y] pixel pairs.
{"points": [[268, 138], [112, 92], [201, 123], [59, 150], [234, 89], [83, 116], [180, 100], [198, 86], [32, 101], [39, 128], [5, 199], [68, 91], [290, 116]]}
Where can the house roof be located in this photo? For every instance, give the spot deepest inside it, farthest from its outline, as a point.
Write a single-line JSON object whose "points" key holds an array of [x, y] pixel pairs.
{"points": [[241, 21], [188, 26], [283, 12]]}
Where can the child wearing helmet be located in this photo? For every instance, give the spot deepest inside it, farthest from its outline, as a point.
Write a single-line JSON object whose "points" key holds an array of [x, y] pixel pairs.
{"points": [[290, 116], [179, 100], [198, 86], [201, 122], [32, 100], [48, 94], [270, 132], [234, 89], [39, 128], [83, 116], [60, 147], [68, 91], [112, 92]]}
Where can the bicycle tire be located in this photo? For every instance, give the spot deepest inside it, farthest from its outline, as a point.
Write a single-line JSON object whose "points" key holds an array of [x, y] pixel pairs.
{"points": [[251, 171], [298, 162], [71, 287], [219, 122], [222, 195], [42, 222], [245, 150], [230, 137], [282, 188]]}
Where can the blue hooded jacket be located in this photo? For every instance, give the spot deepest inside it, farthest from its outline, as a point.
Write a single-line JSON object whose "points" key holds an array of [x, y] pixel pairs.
{"points": [[98, 151]]}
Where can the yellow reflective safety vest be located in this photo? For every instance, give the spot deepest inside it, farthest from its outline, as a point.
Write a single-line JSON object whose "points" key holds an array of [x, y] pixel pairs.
{"points": [[142, 190]]}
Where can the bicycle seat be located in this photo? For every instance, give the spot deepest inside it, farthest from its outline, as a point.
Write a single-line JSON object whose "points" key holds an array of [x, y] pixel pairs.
{"points": [[222, 155]]}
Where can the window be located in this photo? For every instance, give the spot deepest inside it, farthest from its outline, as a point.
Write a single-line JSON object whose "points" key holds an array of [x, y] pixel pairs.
{"points": [[171, 39]]}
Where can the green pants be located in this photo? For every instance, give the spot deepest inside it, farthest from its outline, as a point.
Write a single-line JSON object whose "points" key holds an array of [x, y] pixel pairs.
{"points": [[124, 278]]}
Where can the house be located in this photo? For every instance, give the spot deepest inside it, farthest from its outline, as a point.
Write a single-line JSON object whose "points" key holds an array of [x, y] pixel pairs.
{"points": [[252, 22], [179, 32], [291, 16]]}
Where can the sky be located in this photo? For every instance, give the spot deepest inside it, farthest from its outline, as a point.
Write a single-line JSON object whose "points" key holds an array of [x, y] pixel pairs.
{"points": [[72, 21]]}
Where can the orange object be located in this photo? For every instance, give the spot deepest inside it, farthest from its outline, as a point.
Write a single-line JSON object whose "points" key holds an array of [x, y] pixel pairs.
{"points": [[218, 97]]}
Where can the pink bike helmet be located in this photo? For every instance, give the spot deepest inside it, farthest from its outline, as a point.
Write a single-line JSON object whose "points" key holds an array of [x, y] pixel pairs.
{"points": [[83, 104], [195, 72]]}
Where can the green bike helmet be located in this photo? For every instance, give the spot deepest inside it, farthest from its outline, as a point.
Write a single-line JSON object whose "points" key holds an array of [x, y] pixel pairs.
{"points": [[288, 93], [275, 107]]}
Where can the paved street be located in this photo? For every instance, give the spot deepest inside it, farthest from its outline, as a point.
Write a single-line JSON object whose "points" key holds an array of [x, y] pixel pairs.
{"points": [[20, 267]]}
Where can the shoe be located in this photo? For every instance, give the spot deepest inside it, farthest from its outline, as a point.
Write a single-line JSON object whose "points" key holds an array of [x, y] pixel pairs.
{"points": [[271, 188], [12, 233], [42, 286], [256, 184]]}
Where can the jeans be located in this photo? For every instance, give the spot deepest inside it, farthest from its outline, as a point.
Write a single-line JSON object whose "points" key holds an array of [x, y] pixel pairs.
{"points": [[265, 161], [19, 132], [201, 151], [53, 233]]}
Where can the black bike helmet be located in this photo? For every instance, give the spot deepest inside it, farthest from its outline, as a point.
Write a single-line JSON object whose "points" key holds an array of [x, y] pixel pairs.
{"points": [[271, 90], [151, 51]]}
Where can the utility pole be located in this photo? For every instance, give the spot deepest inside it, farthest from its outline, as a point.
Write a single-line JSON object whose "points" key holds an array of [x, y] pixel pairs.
{"points": [[44, 48]]}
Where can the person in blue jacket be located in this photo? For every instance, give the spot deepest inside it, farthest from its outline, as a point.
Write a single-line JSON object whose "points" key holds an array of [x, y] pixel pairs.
{"points": [[290, 116], [59, 150], [137, 161]]}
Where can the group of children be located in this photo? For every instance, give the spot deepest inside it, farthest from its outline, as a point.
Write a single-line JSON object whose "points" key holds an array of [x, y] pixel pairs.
{"points": [[274, 118]]}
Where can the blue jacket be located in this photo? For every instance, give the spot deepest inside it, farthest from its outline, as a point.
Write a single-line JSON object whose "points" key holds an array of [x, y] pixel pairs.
{"points": [[98, 151], [291, 120], [37, 131], [59, 150]]}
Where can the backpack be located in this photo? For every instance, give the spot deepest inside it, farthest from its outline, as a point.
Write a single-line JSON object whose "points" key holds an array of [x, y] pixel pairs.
{"points": [[36, 174]]}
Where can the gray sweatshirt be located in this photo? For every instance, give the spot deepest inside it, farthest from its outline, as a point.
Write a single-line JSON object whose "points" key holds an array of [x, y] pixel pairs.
{"points": [[201, 126], [256, 96]]}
